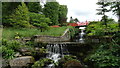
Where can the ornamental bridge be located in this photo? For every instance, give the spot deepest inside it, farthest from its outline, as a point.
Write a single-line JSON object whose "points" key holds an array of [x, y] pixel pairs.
{"points": [[79, 24]]}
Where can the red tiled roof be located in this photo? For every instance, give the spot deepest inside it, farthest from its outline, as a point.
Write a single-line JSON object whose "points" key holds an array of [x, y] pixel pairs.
{"points": [[72, 24], [78, 23]]}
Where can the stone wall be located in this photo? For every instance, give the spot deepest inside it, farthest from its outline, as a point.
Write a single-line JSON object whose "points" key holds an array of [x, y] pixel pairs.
{"points": [[42, 38]]}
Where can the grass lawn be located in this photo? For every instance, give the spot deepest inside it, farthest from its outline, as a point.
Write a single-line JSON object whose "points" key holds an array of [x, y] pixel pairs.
{"points": [[10, 33]]}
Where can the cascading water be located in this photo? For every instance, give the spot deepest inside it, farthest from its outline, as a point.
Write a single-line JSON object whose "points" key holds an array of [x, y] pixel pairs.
{"points": [[55, 52], [81, 40]]}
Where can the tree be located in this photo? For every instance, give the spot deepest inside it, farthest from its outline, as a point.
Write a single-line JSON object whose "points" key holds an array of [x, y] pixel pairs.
{"points": [[20, 18], [103, 10], [116, 9], [8, 8], [62, 14], [51, 10], [76, 20], [104, 18], [39, 20], [34, 7]]}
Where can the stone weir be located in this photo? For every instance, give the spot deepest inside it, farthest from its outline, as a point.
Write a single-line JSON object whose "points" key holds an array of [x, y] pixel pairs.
{"points": [[46, 39]]}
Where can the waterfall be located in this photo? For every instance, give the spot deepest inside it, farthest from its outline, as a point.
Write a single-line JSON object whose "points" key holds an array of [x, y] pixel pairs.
{"points": [[81, 40], [56, 52]]}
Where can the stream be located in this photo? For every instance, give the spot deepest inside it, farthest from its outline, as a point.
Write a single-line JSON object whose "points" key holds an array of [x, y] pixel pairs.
{"points": [[57, 51]]}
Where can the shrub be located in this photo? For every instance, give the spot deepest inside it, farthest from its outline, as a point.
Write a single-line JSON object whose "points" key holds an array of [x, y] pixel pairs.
{"points": [[42, 63], [7, 53], [117, 38], [66, 59], [11, 44], [107, 55], [96, 28]]}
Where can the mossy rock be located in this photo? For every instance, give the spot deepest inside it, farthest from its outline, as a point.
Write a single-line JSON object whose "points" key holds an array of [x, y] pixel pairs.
{"points": [[72, 64]]}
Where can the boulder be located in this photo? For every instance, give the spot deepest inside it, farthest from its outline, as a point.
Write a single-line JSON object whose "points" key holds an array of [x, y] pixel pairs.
{"points": [[73, 64], [18, 55], [20, 62], [5, 63], [26, 51]]}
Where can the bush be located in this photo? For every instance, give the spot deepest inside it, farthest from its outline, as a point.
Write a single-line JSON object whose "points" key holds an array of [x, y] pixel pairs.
{"points": [[14, 45], [107, 55], [7, 53], [66, 59], [117, 38], [96, 28], [42, 63]]}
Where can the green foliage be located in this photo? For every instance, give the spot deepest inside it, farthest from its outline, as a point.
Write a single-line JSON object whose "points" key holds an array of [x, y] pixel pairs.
{"points": [[103, 9], [62, 14], [96, 28], [7, 9], [20, 18], [42, 50], [76, 20], [115, 6], [10, 44], [51, 10], [73, 31], [7, 53], [10, 33], [107, 55], [117, 38], [39, 20], [8, 48], [42, 63], [66, 59], [34, 7], [69, 57]]}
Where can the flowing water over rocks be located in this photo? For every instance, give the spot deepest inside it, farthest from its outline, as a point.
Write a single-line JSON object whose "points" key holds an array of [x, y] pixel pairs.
{"points": [[56, 52], [80, 37]]}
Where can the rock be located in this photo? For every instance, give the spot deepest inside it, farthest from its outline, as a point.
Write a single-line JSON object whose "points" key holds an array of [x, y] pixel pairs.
{"points": [[18, 55], [25, 49], [20, 62], [5, 63], [26, 39], [37, 49], [27, 54], [73, 64]]}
